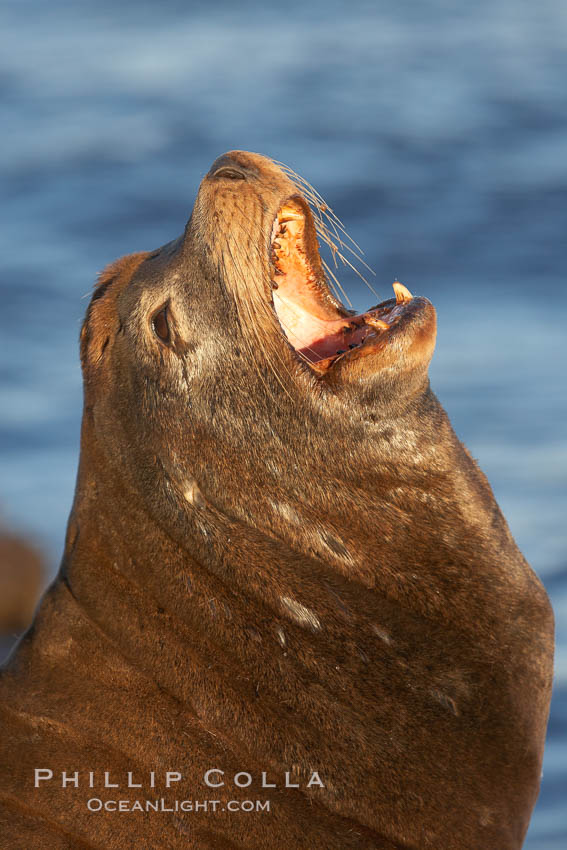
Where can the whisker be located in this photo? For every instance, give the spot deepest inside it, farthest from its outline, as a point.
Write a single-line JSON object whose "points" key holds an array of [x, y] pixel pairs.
{"points": [[319, 202], [335, 283], [256, 314], [292, 308], [253, 304], [327, 226]]}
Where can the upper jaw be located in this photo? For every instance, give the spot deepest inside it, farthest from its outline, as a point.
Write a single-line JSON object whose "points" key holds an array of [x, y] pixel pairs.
{"points": [[317, 326]]}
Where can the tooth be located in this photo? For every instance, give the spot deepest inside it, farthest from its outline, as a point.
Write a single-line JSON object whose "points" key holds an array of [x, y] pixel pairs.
{"points": [[289, 215], [377, 323], [402, 292]]}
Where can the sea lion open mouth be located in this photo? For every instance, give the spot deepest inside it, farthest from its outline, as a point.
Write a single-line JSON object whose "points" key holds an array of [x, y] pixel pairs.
{"points": [[317, 326], [257, 226]]}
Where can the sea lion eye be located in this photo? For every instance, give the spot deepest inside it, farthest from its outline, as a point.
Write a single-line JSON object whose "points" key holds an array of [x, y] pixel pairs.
{"points": [[230, 172], [160, 324]]}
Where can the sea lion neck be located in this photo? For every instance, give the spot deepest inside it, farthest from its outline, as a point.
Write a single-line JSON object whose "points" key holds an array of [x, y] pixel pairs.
{"points": [[279, 496]]}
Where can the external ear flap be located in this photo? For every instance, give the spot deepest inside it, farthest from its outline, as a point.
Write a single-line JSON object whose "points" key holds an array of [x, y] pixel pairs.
{"points": [[102, 322], [84, 342]]}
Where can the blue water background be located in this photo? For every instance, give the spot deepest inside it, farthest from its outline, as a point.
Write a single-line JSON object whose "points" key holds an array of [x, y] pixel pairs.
{"points": [[436, 130]]}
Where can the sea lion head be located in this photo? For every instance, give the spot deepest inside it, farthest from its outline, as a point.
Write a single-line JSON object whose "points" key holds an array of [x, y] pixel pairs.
{"points": [[228, 342]]}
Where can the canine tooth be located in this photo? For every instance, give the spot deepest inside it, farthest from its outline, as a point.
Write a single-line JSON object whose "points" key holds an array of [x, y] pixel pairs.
{"points": [[402, 292], [377, 323]]}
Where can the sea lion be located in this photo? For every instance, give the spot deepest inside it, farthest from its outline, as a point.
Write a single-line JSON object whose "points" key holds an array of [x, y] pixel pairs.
{"points": [[283, 572]]}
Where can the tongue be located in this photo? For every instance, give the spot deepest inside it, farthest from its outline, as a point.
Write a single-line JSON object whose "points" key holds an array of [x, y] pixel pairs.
{"points": [[311, 326], [313, 329], [335, 343]]}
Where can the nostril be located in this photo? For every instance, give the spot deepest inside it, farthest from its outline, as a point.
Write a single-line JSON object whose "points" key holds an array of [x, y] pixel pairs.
{"points": [[230, 167], [229, 171]]}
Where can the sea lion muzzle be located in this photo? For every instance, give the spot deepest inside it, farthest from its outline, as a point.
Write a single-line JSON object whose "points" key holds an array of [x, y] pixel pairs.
{"points": [[339, 347]]}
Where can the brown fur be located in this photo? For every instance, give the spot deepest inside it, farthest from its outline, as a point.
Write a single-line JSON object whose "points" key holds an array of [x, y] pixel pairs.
{"points": [[268, 570]]}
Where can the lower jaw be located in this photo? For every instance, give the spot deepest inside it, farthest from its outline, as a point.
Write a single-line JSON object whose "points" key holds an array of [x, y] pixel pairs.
{"points": [[403, 349], [328, 340], [362, 329]]}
